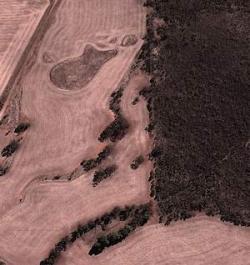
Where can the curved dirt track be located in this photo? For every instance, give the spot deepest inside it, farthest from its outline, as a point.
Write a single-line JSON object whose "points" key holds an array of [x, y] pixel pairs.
{"points": [[65, 126]]}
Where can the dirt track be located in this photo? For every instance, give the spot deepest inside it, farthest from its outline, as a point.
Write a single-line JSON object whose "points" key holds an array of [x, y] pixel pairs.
{"points": [[65, 125]]}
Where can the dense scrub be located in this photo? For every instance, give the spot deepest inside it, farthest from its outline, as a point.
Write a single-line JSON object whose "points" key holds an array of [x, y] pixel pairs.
{"points": [[199, 101]]}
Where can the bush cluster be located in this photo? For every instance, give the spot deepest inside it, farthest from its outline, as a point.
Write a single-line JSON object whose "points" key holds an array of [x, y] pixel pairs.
{"points": [[116, 130], [115, 100], [100, 175], [3, 170], [10, 148], [92, 163], [135, 101]]}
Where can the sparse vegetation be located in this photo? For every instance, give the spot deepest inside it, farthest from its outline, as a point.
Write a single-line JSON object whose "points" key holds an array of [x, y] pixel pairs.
{"points": [[61, 73]]}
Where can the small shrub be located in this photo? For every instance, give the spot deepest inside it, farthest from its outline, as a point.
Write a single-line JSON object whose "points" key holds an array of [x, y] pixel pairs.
{"points": [[22, 127], [137, 162]]}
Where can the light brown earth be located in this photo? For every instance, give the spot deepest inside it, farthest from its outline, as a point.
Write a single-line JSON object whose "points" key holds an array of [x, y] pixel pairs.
{"points": [[65, 125]]}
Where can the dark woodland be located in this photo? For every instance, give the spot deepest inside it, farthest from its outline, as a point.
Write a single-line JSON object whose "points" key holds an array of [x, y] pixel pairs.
{"points": [[199, 101]]}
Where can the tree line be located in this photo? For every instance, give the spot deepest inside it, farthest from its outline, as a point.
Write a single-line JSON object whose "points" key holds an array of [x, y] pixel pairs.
{"points": [[139, 215]]}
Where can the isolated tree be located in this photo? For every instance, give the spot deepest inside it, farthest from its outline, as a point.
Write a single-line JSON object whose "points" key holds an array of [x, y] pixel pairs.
{"points": [[22, 127], [137, 162]]}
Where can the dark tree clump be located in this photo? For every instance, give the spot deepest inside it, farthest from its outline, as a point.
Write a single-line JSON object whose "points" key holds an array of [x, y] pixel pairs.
{"points": [[110, 240], [137, 162], [22, 127], [103, 154], [103, 174], [200, 107], [3, 170], [115, 100], [155, 153], [92, 163], [55, 253], [116, 130], [88, 164], [10, 148], [135, 101], [150, 127], [66, 241]]}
